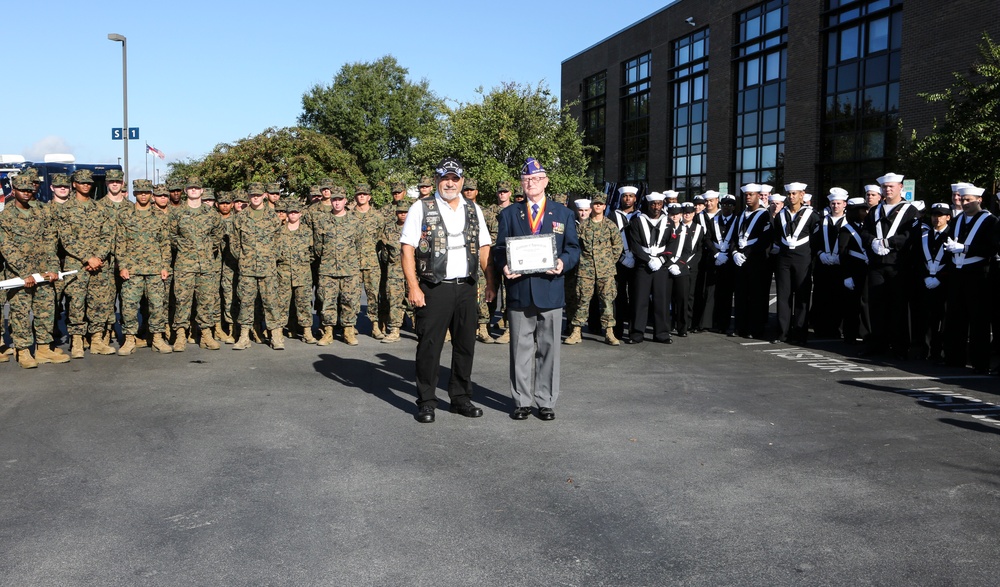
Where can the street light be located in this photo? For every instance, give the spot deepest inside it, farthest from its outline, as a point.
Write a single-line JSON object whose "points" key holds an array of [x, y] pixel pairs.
{"points": [[121, 39]]}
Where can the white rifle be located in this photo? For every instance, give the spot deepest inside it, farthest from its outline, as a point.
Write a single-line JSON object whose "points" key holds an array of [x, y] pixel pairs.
{"points": [[18, 282]]}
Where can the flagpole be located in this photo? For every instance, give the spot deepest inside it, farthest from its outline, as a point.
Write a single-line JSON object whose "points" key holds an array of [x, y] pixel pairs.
{"points": [[147, 163]]}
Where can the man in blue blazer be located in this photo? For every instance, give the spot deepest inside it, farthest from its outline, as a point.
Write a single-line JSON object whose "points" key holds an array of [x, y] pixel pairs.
{"points": [[535, 301]]}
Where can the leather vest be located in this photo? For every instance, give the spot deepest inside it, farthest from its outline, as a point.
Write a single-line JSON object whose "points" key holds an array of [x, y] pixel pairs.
{"points": [[431, 254]]}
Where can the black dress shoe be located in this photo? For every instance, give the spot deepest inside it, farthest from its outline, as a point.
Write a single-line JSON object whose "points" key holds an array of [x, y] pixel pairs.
{"points": [[425, 415], [467, 409], [634, 341], [546, 414], [521, 413]]}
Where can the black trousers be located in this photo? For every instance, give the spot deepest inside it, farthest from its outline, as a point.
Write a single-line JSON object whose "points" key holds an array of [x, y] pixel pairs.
{"points": [[888, 310], [448, 306], [753, 284], [704, 296], [928, 319], [827, 308], [793, 283], [725, 287], [623, 301], [647, 286], [967, 325], [856, 323], [680, 296]]}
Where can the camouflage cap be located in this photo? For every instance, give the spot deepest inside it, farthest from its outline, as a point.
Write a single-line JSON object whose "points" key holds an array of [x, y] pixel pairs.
{"points": [[175, 184], [224, 197], [160, 190], [314, 190], [255, 188], [598, 198], [425, 182], [59, 180], [326, 184], [193, 182], [240, 196], [23, 182], [362, 188], [337, 192], [32, 173], [83, 176], [402, 206], [292, 205], [470, 184], [281, 205], [561, 198], [142, 185], [503, 186], [273, 188], [209, 194], [519, 195], [115, 175], [397, 187]]}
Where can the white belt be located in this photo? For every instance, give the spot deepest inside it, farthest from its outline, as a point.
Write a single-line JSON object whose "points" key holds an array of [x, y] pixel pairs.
{"points": [[653, 251], [791, 244], [960, 260], [858, 255]]}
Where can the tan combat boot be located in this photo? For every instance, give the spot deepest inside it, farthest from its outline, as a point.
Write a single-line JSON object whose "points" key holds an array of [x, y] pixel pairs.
{"points": [[574, 337], [43, 354], [128, 347], [377, 333], [141, 342], [4, 357], [483, 334], [277, 339], [76, 346], [180, 340], [327, 336], [98, 346], [307, 335], [208, 341], [351, 335], [391, 335], [25, 360], [160, 344], [504, 338], [222, 335], [244, 342], [609, 337]]}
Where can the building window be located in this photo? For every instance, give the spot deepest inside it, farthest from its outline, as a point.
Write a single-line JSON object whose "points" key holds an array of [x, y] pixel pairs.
{"points": [[689, 87], [594, 107], [861, 91], [761, 60], [635, 120]]}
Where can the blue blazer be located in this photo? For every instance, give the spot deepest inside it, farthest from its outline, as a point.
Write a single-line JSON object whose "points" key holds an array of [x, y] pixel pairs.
{"points": [[538, 290]]}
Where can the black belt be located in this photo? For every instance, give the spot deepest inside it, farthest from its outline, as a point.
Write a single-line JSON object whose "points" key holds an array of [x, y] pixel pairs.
{"points": [[457, 281]]}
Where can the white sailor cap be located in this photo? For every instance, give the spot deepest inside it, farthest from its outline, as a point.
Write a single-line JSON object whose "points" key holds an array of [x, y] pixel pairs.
{"points": [[919, 205], [837, 194], [971, 190], [872, 187], [710, 195], [655, 197], [750, 187], [807, 198], [581, 203], [890, 178], [796, 186], [774, 198], [670, 194], [855, 202], [765, 189], [941, 208], [957, 186], [628, 189]]}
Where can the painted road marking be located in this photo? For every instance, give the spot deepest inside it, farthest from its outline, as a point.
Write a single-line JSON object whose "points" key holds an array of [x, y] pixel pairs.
{"points": [[923, 378], [818, 361]]}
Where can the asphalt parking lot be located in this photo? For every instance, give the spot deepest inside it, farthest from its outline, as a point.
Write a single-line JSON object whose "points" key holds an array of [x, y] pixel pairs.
{"points": [[711, 461]]}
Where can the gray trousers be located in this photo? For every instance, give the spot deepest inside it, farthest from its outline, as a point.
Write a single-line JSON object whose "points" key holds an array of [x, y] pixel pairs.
{"points": [[534, 356]]}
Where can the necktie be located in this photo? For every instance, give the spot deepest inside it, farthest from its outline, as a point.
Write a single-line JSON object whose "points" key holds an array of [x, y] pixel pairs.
{"points": [[534, 216]]}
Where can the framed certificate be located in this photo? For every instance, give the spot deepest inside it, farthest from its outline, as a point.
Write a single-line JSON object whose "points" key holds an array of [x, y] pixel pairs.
{"points": [[531, 254]]}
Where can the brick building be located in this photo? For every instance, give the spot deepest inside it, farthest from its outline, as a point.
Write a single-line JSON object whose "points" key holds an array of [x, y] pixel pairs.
{"points": [[706, 92]]}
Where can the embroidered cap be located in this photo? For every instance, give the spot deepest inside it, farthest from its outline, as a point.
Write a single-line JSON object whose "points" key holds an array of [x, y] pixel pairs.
{"points": [[940, 208], [674, 208], [531, 167], [727, 199], [449, 165], [687, 207]]}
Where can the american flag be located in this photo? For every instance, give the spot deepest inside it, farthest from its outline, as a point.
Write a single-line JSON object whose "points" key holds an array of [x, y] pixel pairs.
{"points": [[155, 151]]}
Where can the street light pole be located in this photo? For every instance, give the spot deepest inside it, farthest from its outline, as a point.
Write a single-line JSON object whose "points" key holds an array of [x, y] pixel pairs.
{"points": [[121, 39]]}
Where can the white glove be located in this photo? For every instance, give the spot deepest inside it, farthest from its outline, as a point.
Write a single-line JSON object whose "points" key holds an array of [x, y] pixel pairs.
{"points": [[849, 283], [721, 258], [739, 259], [674, 269], [655, 263], [824, 258], [628, 260], [953, 246], [834, 259], [931, 282]]}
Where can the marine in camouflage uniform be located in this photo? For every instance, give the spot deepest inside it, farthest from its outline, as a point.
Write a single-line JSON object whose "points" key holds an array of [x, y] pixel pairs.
{"points": [[110, 284], [196, 237], [85, 236], [315, 214], [492, 214], [337, 238], [600, 246], [372, 222], [294, 280], [581, 209], [224, 330], [28, 246], [61, 189], [161, 205], [254, 244], [398, 191], [470, 190], [142, 251], [396, 293]]}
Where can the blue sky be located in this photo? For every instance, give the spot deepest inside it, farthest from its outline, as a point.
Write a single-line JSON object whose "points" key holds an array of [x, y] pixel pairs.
{"points": [[203, 73]]}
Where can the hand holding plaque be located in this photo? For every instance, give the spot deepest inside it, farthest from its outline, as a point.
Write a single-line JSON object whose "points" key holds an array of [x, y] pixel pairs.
{"points": [[531, 254]]}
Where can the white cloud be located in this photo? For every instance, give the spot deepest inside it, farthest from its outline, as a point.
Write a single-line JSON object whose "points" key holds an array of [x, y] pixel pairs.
{"points": [[46, 145]]}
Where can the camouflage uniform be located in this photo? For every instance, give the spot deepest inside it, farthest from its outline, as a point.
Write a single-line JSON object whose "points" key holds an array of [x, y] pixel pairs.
{"points": [[196, 237], [492, 217], [337, 240], [142, 246], [600, 247], [395, 284], [229, 265], [254, 246], [28, 245], [294, 281], [110, 286], [372, 222]]}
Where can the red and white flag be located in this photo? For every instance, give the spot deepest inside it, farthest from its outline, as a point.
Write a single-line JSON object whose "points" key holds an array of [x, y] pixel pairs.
{"points": [[155, 151]]}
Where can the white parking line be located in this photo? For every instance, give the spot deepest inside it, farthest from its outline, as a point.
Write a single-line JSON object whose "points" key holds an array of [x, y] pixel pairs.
{"points": [[923, 378]]}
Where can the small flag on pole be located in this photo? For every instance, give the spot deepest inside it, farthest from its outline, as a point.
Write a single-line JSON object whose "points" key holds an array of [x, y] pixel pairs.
{"points": [[155, 151]]}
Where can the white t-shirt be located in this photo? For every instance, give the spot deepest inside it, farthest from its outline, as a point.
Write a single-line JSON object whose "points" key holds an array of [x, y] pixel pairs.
{"points": [[454, 223]]}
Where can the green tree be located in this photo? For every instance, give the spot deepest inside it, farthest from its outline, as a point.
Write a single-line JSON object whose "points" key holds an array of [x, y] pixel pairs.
{"points": [[377, 113], [966, 146], [494, 136], [295, 157]]}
